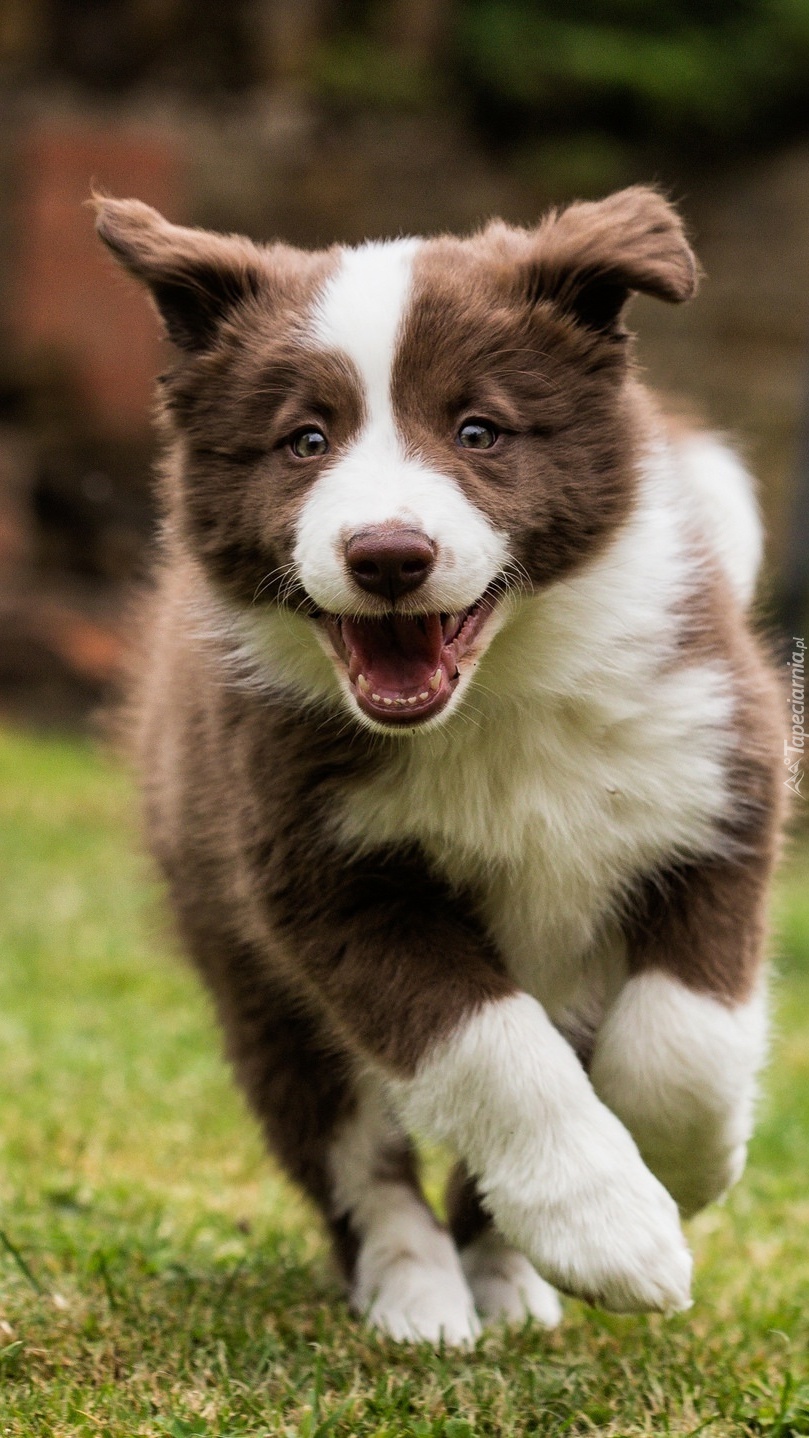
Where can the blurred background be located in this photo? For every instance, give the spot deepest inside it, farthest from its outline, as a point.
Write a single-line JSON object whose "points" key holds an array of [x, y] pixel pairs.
{"points": [[157, 1275], [318, 120]]}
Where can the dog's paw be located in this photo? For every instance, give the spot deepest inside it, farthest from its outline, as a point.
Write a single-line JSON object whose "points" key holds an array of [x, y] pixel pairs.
{"points": [[629, 1251], [603, 1228], [416, 1295], [505, 1286]]}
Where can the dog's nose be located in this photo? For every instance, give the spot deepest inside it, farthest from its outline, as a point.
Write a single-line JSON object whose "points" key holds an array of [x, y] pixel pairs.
{"points": [[389, 561]]}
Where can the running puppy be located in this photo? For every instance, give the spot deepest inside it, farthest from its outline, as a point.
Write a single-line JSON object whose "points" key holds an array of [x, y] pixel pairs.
{"points": [[457, 751]]}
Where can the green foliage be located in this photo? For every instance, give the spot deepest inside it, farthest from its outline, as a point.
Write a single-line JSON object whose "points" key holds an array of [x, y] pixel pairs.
{"points": [[158, 1276], [673, 74], [354, 70], [673, 81]]}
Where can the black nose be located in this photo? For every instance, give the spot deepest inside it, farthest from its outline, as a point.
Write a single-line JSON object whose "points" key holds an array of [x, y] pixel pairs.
{"points": [[389, 560]]}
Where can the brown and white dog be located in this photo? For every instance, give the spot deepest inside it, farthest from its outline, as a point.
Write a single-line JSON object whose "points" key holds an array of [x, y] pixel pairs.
{"points": [[458, 754]]}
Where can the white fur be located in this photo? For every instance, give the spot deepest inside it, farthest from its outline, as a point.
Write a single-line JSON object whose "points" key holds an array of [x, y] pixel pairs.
{"points": [[727, 512], [376, 480], [586, 751], [269, 647], [557, 1170], [408, 1282], [361, 310], [679, 1069], [505, 1286]]}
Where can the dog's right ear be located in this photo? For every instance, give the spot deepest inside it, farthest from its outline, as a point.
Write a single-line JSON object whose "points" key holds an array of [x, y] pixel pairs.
{"points": [[195, 277]]}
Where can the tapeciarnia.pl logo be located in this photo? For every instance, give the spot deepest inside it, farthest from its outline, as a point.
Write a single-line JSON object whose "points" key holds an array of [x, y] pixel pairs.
{"points": [[795, 745]]}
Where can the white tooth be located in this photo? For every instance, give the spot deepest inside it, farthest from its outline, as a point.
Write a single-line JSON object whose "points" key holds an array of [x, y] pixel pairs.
{"points": [[362, 684], [377, 698], [387, 701], [435, 682], [412, 698], [400, 701], [424, 695]]}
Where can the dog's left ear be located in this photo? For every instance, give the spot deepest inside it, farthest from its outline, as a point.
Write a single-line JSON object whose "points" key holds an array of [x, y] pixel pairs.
{"points": [[195, 278], [591, 257]]}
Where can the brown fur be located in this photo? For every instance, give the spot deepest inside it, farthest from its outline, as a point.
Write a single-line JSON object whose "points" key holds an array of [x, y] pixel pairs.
{"points": [[706, 922], [466, 1215], [525, 327], [316, 961]]}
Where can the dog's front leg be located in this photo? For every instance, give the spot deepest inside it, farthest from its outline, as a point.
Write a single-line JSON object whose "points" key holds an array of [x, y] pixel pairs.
{"points": [[680, 1068], [679, 1050], [558, 1171], [411, 983]]}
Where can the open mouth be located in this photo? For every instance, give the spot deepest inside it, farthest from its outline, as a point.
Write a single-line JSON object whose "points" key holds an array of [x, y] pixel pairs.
{"points": [[403, 668]]}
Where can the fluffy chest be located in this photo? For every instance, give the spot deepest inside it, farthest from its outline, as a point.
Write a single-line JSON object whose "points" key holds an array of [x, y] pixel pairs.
{"points": [[548, 808]]}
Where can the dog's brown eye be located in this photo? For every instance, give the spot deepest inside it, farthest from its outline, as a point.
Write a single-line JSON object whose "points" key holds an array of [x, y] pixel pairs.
{"points": [[309, 443], [477, 434]]}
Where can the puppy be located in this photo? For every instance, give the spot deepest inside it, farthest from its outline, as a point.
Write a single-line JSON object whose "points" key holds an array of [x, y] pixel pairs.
{"points": [[457, 751]]}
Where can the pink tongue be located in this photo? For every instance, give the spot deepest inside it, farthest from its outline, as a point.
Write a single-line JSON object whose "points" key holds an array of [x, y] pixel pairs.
{"points": [[397, 655]]}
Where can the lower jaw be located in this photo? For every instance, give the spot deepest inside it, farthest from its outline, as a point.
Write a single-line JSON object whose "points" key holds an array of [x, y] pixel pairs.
{"points": [[396, 713]]}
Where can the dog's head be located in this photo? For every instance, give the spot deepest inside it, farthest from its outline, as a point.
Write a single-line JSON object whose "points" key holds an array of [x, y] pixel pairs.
{"points": [[392, 441]]}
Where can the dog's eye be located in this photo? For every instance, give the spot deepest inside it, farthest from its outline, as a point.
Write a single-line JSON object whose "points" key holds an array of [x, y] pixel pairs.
{"points": [[309, 443], [477, 434]]}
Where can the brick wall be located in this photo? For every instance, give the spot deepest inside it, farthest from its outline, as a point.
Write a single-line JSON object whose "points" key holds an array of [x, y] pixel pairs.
{"points": [[72, 312]]}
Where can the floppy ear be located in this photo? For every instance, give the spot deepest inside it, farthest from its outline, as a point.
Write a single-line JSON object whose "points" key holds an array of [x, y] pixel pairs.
{"points": [[590, 257], [195, 277]]}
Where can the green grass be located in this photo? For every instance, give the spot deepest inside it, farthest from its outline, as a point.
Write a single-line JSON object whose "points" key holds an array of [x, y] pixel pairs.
{"points": [[157, 1276]]}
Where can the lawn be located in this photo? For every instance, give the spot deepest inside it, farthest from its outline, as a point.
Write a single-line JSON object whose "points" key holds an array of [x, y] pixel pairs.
{"points": [[157, 1276]]}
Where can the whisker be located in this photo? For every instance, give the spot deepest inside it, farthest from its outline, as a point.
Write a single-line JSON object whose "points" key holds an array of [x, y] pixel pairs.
{"points": [[263, 584]]}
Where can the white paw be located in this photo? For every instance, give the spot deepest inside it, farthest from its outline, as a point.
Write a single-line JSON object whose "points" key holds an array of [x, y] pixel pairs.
{"points": [[416, 1293], [601, 1226], [557, 1171], [505, 1286]]}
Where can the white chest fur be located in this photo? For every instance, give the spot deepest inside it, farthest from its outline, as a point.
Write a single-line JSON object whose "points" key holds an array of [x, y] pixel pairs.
{"points": [[586, 752]]}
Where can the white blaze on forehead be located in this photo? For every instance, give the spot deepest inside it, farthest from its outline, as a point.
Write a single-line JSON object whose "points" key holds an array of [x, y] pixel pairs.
{"points": [[376, 479], [361, 313]]}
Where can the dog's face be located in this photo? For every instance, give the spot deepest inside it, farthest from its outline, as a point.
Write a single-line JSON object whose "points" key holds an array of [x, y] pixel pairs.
{"points": [[393, 441]]}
